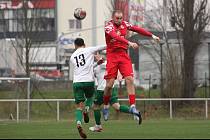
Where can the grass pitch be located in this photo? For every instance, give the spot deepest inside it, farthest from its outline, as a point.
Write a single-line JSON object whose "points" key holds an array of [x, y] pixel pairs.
{"points": [[112, 129]]}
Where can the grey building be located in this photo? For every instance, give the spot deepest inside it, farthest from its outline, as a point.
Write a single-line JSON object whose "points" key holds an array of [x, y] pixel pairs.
{"points": [[145, 66], [18, 19]]}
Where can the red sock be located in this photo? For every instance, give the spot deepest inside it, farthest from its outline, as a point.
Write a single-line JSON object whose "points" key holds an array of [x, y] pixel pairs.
{"points": [[132, 99], [106, 99]]}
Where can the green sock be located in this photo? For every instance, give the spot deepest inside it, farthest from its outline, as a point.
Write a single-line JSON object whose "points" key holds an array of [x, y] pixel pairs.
{"points": [[88, 103], [124, 108], [97, 115], [78, 113]]}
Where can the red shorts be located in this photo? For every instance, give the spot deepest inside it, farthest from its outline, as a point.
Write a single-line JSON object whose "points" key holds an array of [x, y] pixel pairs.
{"points": [[118, 61]]}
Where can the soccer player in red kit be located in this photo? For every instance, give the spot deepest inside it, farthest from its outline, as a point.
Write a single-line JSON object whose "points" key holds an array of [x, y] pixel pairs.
{"points": [[118, 58]]}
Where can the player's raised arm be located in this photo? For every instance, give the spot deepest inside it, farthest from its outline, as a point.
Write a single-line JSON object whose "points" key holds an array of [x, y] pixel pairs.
{"points": [[141, 31], [97, 48]]}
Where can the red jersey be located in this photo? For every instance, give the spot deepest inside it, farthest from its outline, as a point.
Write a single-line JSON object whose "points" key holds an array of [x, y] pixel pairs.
{"points": [[115, 35]]}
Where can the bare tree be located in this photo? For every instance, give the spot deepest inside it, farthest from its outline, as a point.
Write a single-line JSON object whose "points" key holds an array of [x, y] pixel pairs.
{"points": [[190, 19], [28, 25], [169, 54]]}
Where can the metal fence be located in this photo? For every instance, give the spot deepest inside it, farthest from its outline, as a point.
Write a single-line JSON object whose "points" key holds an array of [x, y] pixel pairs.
{"points": [[171, 100], [28, 88], [29, 109]]}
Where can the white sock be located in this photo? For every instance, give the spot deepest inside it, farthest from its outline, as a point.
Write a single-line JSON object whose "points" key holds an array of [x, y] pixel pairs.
{"points": [[106, 106], [79, 123], [133, 105], [87, 108], [98, 126]]}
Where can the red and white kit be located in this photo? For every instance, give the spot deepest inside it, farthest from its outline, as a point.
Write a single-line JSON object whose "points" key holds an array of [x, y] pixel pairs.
{"points": [[117, 45]]}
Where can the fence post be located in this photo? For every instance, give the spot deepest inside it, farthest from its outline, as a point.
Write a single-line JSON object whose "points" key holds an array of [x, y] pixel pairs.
{"points": [[205, 85], [161, 70], [171, 110], [58, 110], [209, 67], [17, 111], [206, 109], [149, 84], [28, 97]]}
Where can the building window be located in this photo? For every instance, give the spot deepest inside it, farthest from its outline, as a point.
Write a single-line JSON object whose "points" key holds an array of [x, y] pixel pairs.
{"points": [[78, 24], [15, 24], [1, 15], [4, 25], [20, 13], [11, 23], [37, 15], [20, 25], [75, 24], [51, 13]]}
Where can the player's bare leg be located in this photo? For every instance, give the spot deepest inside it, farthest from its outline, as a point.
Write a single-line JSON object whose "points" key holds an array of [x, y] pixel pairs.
{"points": [[132, 97]]}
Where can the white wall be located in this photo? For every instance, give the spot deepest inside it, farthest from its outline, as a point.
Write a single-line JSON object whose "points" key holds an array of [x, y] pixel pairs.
{"points": [[44, 54], [8, 56], [66, 10]]}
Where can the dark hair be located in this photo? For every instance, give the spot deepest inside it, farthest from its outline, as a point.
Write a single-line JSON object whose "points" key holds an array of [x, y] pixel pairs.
{"points": [[116, 11], [79, 42]]}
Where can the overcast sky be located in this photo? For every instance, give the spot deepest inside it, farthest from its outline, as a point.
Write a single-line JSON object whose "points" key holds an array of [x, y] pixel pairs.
{"points": [[152, 4]]}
